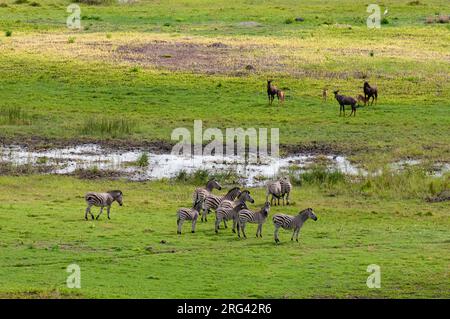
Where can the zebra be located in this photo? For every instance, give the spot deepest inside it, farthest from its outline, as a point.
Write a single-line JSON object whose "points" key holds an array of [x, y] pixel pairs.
{"points": [[248, 216], [188, 214], [228, 209], [201, 193], [292, 222], [274, 188], [212, 201], [102, 200], [286, 188]]}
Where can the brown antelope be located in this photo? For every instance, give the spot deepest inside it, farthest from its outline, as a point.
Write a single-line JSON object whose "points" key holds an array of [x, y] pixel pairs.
{"points": [[361, 98]]}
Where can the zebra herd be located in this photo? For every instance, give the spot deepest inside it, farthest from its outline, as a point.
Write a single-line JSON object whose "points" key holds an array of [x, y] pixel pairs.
{"points": [[232, 206], [229, 207]]}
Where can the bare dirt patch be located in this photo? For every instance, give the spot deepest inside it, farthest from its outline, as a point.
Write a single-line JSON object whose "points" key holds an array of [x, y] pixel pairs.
{"points": [[206, 58]]}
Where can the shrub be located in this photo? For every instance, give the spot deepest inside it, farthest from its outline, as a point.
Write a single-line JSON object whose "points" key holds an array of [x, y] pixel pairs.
{"points": [[384, 21], [3, 5], [35, 4], [289, 21], [8, 33], [71, 40]]}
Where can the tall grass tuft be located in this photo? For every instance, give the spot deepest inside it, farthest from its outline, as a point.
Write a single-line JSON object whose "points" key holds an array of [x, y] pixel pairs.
{"points": [[320, 175], [142, 160], [14, 116], [107, 127]]}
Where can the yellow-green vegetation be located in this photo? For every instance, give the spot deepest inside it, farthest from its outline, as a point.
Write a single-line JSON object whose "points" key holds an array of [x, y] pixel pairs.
{"points": [[138, 253], [137, 70], [158, 66]]}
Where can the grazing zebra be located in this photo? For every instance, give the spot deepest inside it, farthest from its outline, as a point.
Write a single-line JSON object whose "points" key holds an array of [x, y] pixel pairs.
{"points": [[274, 188], [102, 200], [201, 193], [286, 188], [212, 201], [292, 222], [228, 209], [248, 216], [188, 214]]}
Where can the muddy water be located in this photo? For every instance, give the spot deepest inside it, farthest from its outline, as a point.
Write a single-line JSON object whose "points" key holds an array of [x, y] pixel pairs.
{"points": [[67, 160]]}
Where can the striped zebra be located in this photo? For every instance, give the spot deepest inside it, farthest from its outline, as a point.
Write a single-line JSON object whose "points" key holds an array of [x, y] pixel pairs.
{"points": [[292, 222], [286, 188], [247, 216], [212, 201], [201, 193], [228, 209], [274, 188], [188, 214], [102, 200]]}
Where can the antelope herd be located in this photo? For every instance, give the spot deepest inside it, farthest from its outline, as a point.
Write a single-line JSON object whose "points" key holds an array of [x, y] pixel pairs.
{"points": [[370, 92]]}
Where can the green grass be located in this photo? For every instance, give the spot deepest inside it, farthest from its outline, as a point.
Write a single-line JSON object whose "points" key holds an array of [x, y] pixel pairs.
{"points": [[61, 85], [44, 231]]}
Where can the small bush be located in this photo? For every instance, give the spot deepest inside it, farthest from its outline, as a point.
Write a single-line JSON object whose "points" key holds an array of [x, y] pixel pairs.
{"points": [[35, 4], [384, 21], [8, 33], [289, 21], [71, 40], [3, 5]]}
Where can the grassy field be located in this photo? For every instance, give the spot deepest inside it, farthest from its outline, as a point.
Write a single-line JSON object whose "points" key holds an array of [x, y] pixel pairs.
{"points": [[158, 77], [44, 231], [136, 71]]}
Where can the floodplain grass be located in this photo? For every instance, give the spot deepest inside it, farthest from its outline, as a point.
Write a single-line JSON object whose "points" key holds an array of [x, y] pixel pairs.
{"points": [[138, 254], [55, 82]]}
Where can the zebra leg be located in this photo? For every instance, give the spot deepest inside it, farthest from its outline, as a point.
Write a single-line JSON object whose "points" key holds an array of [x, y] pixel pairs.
{"points": [[239, 228], [298, 232], [287, 199], [101, 211], [293, 234], [283, 199], [260, 230], [107, 211], [180, 223], [216, 225], [243, 230], [275, 234], [234, 226], [225, 224], [88, 210], [194, 222], [204, 212]]}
